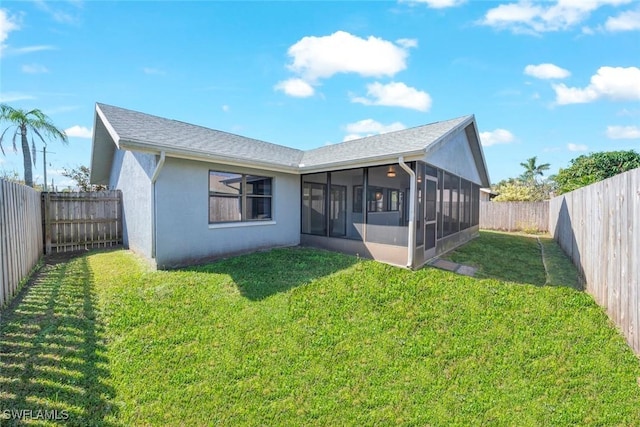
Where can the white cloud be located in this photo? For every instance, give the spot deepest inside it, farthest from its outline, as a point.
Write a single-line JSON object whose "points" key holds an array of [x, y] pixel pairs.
{"points": [[295, 87], [497, 136], [516, 16], [34, 69], [437, 4], [546, 71], [79, 132], [576, 147], [372, 126], [623, 132], [225, 108], [7, 25], [407, 43], [368, 127], [15, 96], [395, 94], [527, 17], [341, 52], [615, 83], [626, 21], [350, 137], [29, 49]]}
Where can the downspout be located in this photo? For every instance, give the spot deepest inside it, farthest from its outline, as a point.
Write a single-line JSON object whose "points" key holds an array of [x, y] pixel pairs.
{"points": [[158, 167], [412, 212], [154, 178]]}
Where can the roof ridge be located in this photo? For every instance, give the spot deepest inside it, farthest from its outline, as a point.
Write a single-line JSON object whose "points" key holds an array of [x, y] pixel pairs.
{"points": [[199, 126], [387, 134]]}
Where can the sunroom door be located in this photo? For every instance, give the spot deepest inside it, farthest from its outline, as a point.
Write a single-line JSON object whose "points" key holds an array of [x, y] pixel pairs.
{"points": [[430, 215]]}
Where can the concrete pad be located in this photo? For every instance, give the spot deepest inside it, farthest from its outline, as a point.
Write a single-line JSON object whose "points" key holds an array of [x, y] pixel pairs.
{"points": [[466, 270], [443, 264]]}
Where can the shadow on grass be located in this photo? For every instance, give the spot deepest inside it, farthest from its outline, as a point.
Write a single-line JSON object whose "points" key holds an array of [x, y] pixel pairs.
{"points": [[52, 362], [263, 274]]}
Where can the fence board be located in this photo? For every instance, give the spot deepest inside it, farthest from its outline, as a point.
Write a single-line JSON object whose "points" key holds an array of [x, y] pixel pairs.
{"points": [[514, 216], [75, 221], [20, 236], [598, 227]]}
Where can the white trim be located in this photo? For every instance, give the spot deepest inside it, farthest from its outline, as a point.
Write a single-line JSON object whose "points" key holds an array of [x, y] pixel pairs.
{"points": [[131, 145], [411, 242], [240, 224], [159, 165], [363, 162], [108, 127]]}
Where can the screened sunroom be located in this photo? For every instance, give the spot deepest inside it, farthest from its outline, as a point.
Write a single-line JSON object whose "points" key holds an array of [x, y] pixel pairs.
{"points": [[403, 213]]}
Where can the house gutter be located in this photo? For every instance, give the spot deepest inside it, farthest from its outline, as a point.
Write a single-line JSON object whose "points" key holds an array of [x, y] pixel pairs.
{"points": [[158, 167], [412, 212], [154, 178], [200, 156]]}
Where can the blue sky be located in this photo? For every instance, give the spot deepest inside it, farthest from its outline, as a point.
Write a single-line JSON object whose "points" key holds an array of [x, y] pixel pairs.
{"points": [[553, 79]]}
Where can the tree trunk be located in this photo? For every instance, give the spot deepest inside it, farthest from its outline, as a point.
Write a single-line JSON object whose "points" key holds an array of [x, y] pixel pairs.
{"points": [[26, 157]]}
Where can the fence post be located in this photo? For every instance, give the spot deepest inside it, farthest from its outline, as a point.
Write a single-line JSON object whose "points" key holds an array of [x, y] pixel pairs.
{"points": [[47, 222]]}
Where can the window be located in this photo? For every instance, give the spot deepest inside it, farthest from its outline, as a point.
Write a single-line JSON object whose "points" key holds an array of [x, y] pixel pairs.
{"points": [[237, 197], [393, 200], [383, 200], [375, 199]]}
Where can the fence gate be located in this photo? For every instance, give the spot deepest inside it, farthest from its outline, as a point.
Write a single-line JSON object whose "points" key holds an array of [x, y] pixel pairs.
{"points": [[81, 220]]}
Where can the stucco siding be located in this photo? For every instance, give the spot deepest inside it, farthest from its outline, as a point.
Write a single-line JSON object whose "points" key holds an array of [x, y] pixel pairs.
{"points": [[455, 156], [183, 232], [131, 172]]}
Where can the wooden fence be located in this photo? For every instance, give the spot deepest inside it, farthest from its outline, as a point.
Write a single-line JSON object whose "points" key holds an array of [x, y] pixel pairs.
{"points": [[598, 227], [20, 236], [75, 221], [514, 216]]}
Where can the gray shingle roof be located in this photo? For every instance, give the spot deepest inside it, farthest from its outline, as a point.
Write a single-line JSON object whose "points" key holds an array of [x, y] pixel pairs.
{"points": [[387, 144], [156, 131], [160, 133]]}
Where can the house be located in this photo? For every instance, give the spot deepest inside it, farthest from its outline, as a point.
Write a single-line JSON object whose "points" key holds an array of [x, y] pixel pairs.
{"points": [[192, 194], [486, 194]]}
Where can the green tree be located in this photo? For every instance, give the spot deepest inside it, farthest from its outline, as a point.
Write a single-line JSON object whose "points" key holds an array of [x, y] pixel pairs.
{"points": [[24, 121], [532, 171], [527, 187], [587, 169], [514, 190], [81, 175]]}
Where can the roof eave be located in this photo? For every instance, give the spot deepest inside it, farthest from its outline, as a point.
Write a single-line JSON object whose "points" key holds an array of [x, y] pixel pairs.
{"points": [[104, 141], [363, 162], [128, 144]]}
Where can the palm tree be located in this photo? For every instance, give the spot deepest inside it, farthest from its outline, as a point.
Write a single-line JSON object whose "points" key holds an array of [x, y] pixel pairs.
{"points": [[532, 171], [38, 123]]}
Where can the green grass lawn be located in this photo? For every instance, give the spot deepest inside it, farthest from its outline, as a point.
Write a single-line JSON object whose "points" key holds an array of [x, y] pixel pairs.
{"points": [[308, 337], [517, 258]]}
